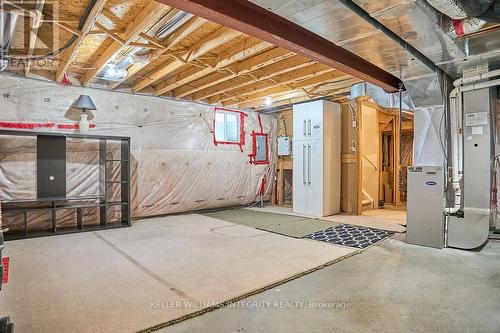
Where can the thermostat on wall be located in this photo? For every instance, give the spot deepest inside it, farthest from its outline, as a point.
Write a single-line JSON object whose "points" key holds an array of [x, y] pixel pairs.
{"points": [[284, 146]]}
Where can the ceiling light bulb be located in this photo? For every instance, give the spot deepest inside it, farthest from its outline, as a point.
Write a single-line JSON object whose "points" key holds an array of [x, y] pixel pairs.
{"points": [[268, 100]]}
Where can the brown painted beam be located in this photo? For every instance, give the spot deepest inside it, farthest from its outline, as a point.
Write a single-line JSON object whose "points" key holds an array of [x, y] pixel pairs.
{"points": [[244, 16]]}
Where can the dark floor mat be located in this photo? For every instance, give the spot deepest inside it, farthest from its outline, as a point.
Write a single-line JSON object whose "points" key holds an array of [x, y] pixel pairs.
{"points": [[350, 235]]}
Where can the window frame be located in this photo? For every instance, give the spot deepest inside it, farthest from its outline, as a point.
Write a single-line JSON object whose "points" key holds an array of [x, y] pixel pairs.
{"points": [[241, 129]]}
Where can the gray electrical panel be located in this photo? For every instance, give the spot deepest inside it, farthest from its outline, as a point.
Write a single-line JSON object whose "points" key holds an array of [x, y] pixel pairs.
{"points": [[425, 217]]}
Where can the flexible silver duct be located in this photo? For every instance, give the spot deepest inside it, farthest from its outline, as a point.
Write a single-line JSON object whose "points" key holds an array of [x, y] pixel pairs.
{"points": [[462, 24], [449, 7], [467, 26]]}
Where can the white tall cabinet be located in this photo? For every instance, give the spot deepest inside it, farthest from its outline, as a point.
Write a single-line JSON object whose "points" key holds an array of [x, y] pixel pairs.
{"points": [[316, 158]]}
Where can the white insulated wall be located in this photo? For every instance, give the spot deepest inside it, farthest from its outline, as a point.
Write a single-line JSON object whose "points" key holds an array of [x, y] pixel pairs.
{"points": [[176, 166]]}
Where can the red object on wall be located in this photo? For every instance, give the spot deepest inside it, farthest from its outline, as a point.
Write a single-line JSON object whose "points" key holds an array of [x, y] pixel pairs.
{"points": [[263, 185], [459, 29], [241, 143], [14, 125], [6, 124], [253, 154], [5, 263], [66, 81]]}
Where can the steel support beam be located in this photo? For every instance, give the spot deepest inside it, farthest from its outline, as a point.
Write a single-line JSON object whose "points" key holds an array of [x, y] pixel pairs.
{"points": [[253, 20]]}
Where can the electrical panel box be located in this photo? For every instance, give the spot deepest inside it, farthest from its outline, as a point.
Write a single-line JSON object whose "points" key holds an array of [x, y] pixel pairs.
{"points": [[261, 148], [284, 146], [425, 216]]}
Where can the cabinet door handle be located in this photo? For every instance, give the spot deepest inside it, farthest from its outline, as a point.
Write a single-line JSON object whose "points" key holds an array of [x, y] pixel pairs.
{"points": [[304, 127], [309, 166], [304, 164], [309, 127]]}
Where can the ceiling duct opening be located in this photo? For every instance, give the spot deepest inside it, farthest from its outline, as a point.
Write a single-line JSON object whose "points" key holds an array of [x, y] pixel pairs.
{"points": [[117, 71]]}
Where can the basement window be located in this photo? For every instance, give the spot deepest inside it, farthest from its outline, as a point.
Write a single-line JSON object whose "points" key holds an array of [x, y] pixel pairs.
{"points": [[229, 127]]}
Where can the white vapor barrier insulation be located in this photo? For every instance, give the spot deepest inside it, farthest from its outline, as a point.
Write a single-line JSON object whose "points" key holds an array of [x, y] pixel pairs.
{"points": [[175, 165], [429, 136]]}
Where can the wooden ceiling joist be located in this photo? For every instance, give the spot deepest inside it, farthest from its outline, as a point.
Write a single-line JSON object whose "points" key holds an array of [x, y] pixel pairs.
{"points": [[330, 76], [266, 72], [68, 28], [191, 74], [116, 37], [291, 76], [198, 60], [147, 17], [240, 68], [257, 21], [212, 41], [291, 97], [175, 38], [71, 53]]}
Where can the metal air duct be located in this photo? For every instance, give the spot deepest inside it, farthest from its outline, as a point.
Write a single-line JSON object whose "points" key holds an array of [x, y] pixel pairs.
{"points": [[7, 25], [178, 20]]}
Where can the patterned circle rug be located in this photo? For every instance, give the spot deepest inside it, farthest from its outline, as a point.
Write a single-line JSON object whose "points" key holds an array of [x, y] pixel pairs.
{"points": [[350, 235]]}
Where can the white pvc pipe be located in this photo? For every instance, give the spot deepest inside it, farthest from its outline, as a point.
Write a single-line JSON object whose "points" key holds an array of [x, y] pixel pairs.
{"points": [[480, 85], [455, 178], [479, 77], [460, 136]]}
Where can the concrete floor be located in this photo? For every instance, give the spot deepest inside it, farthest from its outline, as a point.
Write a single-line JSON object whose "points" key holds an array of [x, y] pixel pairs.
{"points": [[393, 221], [283, 224], [392, 287], [130, 279], [386, 213]]}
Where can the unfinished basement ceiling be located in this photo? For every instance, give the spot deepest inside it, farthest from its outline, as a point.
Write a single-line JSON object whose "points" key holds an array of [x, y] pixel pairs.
{"points": [[413, 20], [145, 46]]}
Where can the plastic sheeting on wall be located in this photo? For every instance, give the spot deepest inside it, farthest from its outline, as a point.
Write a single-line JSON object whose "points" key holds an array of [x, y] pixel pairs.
{"points": [[175, 165], [428, 136]]}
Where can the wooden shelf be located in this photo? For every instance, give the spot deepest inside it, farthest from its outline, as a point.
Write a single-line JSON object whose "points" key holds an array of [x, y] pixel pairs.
{"points": [[53, 204]]}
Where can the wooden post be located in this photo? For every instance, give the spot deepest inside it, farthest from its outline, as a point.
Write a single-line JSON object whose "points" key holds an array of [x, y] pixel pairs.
{"points": [[281, 184], [359, 124]]}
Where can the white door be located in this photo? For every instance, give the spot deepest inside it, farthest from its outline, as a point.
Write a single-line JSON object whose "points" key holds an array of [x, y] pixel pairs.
{"points": [[315, 178], [300, 174], [315, 121], [300, 121]]}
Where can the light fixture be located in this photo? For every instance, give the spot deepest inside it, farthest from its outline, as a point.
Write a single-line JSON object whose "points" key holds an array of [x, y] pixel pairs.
{"points": [[84, 103], [268, 100]]}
